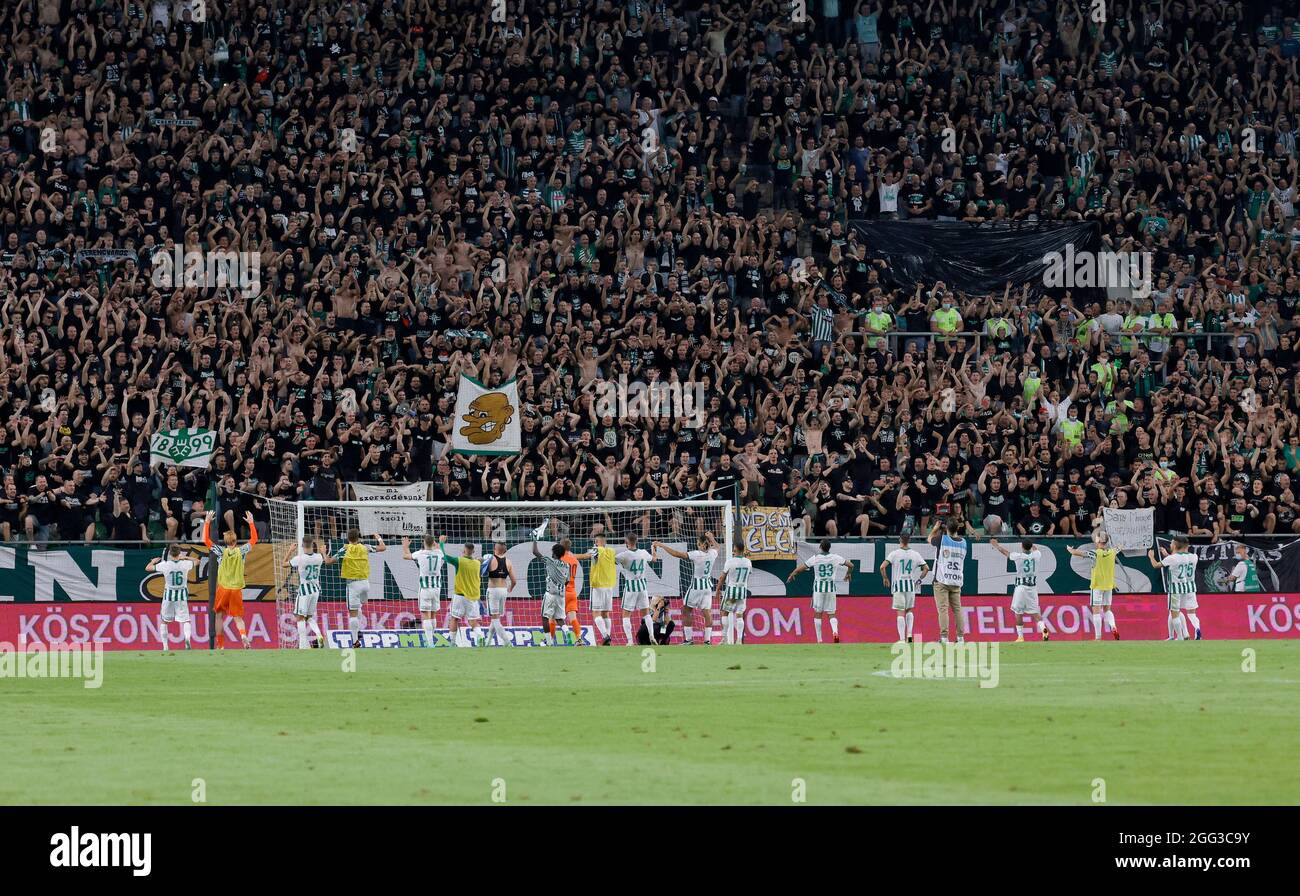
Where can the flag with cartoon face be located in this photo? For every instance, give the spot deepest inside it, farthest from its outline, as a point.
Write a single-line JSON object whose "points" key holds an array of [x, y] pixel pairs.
{"points": [[487, 418]]}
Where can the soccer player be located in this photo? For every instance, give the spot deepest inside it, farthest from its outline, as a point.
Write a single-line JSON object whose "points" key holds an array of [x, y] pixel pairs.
{"points": [[1101, 583], [557, 576], [735, 577], [355, 570], [949, 571], [1181, 587], [699, 596], [501, 580], [636, 592], [571, 592], [229, 600], [903, 568], [1245, 575], [468, 586], [604, 585], [430, 568], [823, 566], [308, 563], [175, 567], [1024, 600]]}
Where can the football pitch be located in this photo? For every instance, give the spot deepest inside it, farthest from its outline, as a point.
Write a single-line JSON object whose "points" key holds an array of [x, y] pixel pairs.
{"points": [[1137, 722]]}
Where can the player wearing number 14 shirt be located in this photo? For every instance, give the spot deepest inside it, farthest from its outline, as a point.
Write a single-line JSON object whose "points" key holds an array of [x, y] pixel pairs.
{"points": [[904, 569]]}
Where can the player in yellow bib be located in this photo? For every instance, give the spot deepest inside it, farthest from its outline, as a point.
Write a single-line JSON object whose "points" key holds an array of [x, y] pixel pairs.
{"points": [[355, 571], [1101, 583], [467, 588], [604, 585]]}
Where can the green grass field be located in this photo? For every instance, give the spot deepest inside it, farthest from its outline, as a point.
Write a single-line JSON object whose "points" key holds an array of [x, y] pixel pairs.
{"points": [[1160, 723]]}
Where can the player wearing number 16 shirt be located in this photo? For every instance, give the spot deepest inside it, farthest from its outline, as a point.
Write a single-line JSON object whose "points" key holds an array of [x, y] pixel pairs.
{"points": [[635, 563], [825, 568], [904, 569], [175, 568]]}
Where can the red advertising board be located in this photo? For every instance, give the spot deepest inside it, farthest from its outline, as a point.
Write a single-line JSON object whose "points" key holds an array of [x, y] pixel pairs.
{"points": [[768, 620]]}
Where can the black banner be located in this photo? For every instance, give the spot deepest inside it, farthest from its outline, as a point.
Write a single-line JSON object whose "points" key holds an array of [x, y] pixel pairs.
{"points": [[976, 259]]}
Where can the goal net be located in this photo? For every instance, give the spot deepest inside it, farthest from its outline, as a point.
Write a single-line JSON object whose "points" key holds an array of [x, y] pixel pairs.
{"points": [[390, 617]]}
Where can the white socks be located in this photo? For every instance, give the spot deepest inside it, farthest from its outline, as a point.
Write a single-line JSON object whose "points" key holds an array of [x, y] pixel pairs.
{"points": [[817, 627], [687, 634], [500, 628], [1196, 623], [909, 623], [188, 631], [1096, 626], [835, 627], [354, 626], [902, 628], [302, 635], [649, 627], [427, 626], [627, 629], [1110, 620], [733, 628]]}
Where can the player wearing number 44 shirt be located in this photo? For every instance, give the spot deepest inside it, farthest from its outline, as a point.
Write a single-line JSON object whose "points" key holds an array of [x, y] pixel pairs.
{"points": [[903, 568], [175, 568], [825, 567], [699, 595], [635, 562], [1179, 566], [308, 561], [1024, 601]]}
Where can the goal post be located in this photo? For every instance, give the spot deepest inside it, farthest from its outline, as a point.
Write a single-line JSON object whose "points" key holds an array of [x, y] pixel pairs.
{"points": [[390, 617]]}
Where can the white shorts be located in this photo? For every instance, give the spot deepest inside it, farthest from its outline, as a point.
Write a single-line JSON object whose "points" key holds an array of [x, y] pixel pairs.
{"points": [[1025, 600], [734, 606], [1101, 596], [358, 593], [1182, 602], [176, 611], [430, 600], [635, 600], [699, 599], [904, 600], [823, 601], [305, 604], [553, 606], [464, 608], [496, 601], [602, 599]]}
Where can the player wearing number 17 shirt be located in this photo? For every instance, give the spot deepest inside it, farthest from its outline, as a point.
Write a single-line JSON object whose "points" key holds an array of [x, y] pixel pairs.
{"points": [[825, 567], [431, 577], [635, 563]]}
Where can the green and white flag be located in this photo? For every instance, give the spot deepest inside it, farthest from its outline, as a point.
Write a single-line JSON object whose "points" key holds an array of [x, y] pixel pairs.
{"points": [[182, 448]]}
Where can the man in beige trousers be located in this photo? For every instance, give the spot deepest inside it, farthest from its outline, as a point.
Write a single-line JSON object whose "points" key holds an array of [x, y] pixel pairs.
{"points": [[948, 567]]}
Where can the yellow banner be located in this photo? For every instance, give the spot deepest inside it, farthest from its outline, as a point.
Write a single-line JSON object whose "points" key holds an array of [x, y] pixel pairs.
{"points": [[767, 533]]}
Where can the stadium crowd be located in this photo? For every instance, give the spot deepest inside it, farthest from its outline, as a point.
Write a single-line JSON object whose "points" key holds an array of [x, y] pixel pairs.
{"points": [[569, 191]]}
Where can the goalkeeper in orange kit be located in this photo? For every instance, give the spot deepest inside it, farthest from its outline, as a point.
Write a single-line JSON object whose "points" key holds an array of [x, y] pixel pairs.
{"points": [[230, 577]]}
